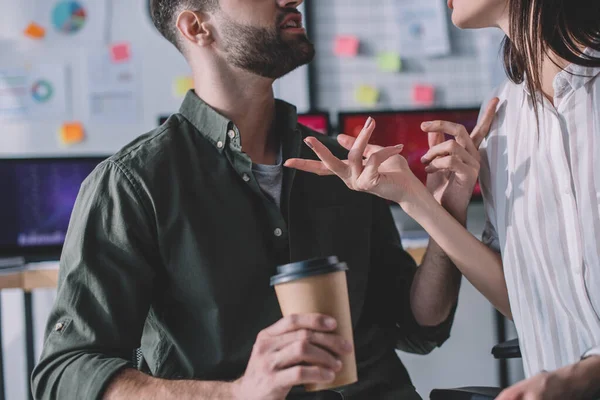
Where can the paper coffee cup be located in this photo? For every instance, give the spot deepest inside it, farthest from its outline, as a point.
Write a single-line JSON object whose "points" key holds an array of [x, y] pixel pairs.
{"points": [[319, 286]]}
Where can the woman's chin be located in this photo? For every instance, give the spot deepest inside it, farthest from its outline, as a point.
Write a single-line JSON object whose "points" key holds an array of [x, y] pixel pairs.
{"points": [[464, 22]]}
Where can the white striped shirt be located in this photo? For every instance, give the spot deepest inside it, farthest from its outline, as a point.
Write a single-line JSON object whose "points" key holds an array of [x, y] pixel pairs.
{"points": [[542, 197]]}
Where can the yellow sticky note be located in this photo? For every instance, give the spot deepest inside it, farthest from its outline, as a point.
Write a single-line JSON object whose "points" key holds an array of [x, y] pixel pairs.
{"points": [[181, 85], [389, 62], [367, 95], [72, 133], [35, 31]]}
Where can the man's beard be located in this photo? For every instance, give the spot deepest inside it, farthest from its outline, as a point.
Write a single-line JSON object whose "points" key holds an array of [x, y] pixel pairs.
{"points": [[265, 52]]}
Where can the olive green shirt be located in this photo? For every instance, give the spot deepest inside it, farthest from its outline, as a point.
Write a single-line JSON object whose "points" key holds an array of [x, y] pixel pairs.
{"points": [[171, 246]]}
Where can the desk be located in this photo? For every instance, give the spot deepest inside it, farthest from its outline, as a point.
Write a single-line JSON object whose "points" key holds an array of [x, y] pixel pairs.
{"points": [[44, 278], [26, 280]]}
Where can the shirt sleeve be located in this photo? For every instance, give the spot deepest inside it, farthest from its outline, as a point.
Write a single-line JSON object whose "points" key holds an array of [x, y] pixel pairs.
{"points": [[594, 351], [105, 281], [391, 285], [490, 232]]}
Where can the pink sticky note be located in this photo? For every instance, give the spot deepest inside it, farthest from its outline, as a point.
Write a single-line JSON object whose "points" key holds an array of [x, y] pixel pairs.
{"points": [[423, 95], [346, 46], [120, 52]]}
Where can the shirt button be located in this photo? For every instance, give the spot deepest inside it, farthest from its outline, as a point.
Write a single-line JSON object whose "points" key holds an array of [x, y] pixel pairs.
{"points": [[278, 232], [59, 327], [231, 134], [220, 144], [246, 178]]}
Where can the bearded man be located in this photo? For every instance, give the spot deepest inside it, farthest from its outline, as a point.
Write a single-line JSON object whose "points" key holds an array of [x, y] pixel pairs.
{"points": [[173, 240]]}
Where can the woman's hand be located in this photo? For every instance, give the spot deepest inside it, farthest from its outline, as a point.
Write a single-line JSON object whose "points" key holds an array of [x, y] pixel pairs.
{"points": [[384, 172], [453, 165]]}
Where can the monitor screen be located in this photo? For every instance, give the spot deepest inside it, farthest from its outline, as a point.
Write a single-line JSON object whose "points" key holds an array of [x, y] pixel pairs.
{"points": [[36, 202], [318, 122], [404, 127]]}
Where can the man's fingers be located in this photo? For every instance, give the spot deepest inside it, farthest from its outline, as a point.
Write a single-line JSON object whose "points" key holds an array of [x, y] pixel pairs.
{"points": [[333, 343], [305, 353], [333, 163], [312, 166], [450, 148], [483, 128], [357, 151], [458, 131], [302, 375], [315, 322]]}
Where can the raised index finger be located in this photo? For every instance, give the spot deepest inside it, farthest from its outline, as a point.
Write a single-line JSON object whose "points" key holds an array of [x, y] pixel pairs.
{"points": [[483, 128]]}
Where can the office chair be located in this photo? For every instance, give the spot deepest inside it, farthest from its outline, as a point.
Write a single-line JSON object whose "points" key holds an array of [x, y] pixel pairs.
{"points": [[501, 351]]}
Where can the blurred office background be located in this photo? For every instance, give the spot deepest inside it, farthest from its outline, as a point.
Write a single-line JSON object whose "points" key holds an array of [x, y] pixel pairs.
{"points": [[81, 78]]}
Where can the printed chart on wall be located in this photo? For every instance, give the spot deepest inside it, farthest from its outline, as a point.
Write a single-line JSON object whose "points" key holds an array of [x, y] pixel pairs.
{"points": [[113, 86], [34, 93], [73, 21], [421, 27]]}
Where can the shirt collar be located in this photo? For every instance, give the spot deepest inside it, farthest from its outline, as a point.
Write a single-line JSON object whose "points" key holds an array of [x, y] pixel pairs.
{"points": [[573, 76], [215, 127]]}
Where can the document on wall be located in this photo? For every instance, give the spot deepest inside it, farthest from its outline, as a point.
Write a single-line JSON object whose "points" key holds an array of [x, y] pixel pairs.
{"points": [[113, 88], [35, 93], [69, 22], [421, 28]]}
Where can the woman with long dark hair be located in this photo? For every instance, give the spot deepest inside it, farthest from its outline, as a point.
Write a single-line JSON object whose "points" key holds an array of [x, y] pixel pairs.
{"points": [[539, 262]]}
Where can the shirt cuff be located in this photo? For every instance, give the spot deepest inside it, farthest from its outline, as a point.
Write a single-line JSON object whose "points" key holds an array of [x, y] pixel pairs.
{"points": [[594, 351]]}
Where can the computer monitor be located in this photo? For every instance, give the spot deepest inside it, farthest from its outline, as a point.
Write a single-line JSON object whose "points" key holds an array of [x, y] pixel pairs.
{"points": [[317, 121], [404, 127], [36, 201]]}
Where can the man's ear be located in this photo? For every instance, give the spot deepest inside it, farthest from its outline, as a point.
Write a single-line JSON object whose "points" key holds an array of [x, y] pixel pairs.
{"points": [[195, 28]]}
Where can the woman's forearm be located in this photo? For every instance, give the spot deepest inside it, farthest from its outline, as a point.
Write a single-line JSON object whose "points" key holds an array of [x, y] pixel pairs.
{"points": [[479, 264]]}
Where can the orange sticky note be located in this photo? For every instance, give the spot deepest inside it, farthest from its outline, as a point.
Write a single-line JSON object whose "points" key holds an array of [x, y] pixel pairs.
{"points": [[72, 133], [423, 95], [346, 46], [120, 52], [35, 31]]}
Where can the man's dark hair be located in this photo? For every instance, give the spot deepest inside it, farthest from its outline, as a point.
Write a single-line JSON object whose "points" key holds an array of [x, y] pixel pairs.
{"points": [[165, 12]]}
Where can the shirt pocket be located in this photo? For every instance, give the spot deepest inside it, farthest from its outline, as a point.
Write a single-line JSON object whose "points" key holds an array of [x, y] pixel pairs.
{"points": [[345, 231]]}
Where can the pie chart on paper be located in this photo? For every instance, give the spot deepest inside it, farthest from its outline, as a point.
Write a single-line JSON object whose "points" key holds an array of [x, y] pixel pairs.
{"points": [[68, 17]]}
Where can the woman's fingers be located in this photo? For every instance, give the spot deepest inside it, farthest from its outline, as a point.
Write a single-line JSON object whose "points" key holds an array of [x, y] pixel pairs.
{"points": [[355, 157], [347, 141], [458, 131], [452, 164], [483, 128], [312, 166], [450, 148], [370, 175], [330, 161]]}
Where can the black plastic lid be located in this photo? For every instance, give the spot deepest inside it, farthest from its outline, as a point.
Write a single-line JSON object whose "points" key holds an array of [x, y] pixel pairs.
{"points": [[303, 269]]}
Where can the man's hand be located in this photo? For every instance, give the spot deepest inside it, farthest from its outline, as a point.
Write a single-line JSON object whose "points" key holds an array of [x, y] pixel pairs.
{"points": [[297, 350], [453, 165]]}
